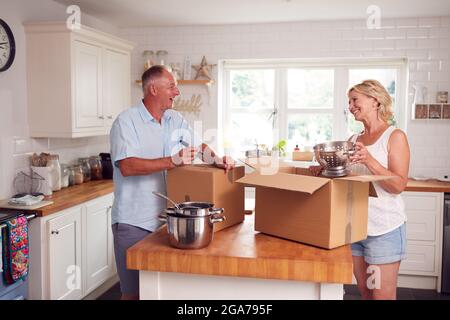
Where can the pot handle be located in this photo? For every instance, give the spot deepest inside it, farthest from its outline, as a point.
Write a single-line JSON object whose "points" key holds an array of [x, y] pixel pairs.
{"points": [[162, 218], [216, 210], [218, 219]]}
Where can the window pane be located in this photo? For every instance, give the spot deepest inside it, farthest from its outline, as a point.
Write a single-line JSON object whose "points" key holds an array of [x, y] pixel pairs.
{"points": [[248, 129], [252, 88], [309, 129], [386, 76], [310, 88]]}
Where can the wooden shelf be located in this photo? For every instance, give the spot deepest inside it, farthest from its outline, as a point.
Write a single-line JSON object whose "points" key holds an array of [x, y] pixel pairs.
{"points": [[188, 82], [431, 111]]}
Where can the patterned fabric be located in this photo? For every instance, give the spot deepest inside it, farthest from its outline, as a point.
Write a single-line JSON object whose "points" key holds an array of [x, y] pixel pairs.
{"points": [[16, 257]]}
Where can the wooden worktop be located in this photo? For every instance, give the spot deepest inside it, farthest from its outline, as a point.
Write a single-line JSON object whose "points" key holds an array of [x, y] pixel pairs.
{"points": [[75, 195], [427, 186], [242, 252]]}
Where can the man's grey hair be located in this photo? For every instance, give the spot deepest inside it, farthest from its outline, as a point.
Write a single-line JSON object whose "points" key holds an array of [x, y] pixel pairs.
{"points": [[152, 74]]}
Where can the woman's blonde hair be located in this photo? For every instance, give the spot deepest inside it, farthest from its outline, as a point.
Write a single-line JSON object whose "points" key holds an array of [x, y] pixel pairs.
{"points": [[374, 89]]}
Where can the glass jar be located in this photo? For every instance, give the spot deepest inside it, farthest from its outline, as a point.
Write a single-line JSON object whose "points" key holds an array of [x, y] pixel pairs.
{"points": [[55, 172], [84, 163], [65, 173], [78, 174], [96, 168], [71, 176]]}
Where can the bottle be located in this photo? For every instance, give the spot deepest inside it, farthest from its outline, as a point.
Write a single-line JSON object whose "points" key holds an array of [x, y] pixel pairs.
{"points": [[96, 168], [296, 148], [55, 172], [84, 163]]}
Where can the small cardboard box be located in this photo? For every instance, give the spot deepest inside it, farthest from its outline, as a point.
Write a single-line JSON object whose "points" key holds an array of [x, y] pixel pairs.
{"points": [[302, 155], [209, 184], [295, 205]]}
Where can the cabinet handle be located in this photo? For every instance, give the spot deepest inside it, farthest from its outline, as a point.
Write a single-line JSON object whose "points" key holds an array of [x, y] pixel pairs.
{"points": [[110, 117], [101, 117], [55, 231]]}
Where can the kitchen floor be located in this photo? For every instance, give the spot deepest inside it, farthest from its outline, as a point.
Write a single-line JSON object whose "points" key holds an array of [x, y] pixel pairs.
{"points": [[351, 293]]}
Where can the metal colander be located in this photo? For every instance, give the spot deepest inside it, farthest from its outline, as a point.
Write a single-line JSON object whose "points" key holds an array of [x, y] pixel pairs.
{"points": [[334, 157]]}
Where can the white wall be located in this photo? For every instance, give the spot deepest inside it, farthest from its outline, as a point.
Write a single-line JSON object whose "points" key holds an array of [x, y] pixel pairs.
{"points": [[15, 143], [424, 41]]}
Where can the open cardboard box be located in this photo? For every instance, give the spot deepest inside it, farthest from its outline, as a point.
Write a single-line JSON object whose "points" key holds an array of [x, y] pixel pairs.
{"points": [[209, 184], [293, 204]]}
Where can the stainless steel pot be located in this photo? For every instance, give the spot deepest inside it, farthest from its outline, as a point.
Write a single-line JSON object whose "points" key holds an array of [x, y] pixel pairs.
{"points": [[190, 232], [194, 209]]}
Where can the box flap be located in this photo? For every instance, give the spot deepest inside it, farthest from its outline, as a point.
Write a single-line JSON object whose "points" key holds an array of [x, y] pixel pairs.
{"points": [[202, 167], [365, 178], [285, 181], [266, 165]]}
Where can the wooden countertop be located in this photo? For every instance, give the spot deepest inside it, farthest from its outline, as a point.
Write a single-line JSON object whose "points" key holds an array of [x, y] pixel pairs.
{"points": [[75, 195], [242, 252], [428, 186]]}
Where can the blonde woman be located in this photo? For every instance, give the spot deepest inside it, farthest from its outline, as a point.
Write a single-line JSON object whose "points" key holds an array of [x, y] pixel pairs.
{"points": [[380, 150]]}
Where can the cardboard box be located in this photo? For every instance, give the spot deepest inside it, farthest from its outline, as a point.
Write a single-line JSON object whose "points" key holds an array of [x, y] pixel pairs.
{"points": [[209, 184], [302, 155], [323, 212]]}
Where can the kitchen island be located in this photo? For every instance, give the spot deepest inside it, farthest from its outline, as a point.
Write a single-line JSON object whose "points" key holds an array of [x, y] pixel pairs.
{"points": [[240, 263]]}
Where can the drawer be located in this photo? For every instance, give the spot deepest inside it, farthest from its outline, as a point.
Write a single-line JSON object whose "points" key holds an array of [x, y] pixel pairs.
{"points": [[420, 201], [420, 258], [421, 225]]}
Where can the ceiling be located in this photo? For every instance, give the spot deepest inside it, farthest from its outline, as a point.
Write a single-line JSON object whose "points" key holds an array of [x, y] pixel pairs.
{"points": [[145, 13]]}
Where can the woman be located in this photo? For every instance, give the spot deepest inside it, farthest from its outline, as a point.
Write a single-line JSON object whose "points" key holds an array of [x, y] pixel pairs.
{"points": [[380, 150]]}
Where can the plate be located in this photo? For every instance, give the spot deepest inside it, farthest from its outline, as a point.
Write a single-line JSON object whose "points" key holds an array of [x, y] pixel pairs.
{"points": [[443, 179]]}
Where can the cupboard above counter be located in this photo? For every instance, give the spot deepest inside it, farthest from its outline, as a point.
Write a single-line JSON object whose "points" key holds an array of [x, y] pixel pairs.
{"points": [[78, 80]]}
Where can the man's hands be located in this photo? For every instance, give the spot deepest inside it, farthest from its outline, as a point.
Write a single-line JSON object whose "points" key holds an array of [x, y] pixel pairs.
{"points": [[226, 163], [185, 156], [188, 154]]}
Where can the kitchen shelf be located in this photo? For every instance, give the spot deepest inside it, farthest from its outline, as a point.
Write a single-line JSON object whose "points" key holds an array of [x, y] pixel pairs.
{"points": [[431, 111], [188, 82]]}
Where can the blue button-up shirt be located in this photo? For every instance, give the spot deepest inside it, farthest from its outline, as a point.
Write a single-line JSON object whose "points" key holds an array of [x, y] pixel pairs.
{"points": [[135, 133]]}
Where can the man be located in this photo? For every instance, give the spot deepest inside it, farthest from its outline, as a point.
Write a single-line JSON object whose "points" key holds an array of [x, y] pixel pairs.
{"points": [[147, 140]]}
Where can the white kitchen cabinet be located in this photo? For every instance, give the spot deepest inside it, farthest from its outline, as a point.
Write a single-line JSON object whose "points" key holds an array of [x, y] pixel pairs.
{"points": [[97, 244], [422, 266], [71, 252], [77, 80], [116, 84], [64, 255], [88, 85]]}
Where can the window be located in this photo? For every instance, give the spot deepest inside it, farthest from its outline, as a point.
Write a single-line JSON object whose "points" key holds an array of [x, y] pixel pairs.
{"points": [[303, 102]]}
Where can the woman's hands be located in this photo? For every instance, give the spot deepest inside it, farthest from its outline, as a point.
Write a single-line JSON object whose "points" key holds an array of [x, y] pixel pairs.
{"points": [[316, 170], [362, 155]]}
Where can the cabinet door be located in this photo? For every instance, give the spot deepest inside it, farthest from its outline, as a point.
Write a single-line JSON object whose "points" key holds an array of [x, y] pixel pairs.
{"points": [[64, 256], [88, 85], [420, 259], [98, 243], [116, 84], [422, 211]]}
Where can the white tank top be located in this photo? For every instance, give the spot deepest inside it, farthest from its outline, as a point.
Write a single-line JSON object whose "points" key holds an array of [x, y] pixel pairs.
{"points": [[387, 211]]}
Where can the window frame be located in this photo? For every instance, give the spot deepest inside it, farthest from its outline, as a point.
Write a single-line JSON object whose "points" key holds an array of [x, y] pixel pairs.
{"points": [[341, 69]]}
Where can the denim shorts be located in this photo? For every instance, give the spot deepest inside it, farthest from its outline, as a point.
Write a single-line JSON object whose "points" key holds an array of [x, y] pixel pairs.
{"points": [[386, 248]]}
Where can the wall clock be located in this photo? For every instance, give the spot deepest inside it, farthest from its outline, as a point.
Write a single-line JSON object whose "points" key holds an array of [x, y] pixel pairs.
{"points": [[7, 46]]}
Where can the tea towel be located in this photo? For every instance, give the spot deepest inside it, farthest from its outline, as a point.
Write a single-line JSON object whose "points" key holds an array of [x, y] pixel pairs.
{"points": [[16, 255]]}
